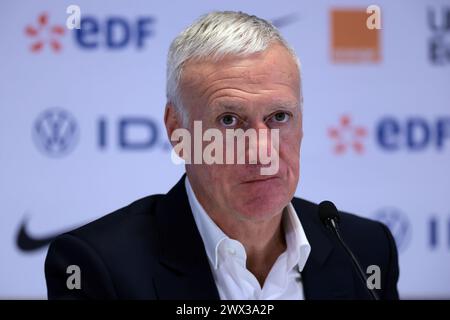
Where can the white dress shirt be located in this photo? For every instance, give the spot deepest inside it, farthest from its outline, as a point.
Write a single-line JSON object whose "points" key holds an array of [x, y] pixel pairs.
{"points": [[227, 258]]}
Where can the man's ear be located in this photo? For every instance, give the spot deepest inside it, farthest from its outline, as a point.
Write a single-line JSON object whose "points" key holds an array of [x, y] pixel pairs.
{"points": [[171, 120]]}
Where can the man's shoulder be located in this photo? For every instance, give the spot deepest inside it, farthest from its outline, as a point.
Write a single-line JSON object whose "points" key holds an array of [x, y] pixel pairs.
{"points": [[311, 208], [370, 241], [355, 227], [368, 238], [121, 225], [116, 252]]}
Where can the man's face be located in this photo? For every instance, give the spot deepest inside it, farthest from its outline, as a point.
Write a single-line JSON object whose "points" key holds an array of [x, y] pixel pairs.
{"points": [[260, 91]]}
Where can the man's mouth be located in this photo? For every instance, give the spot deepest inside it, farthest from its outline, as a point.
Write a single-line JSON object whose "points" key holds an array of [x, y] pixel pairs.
{"points": [[261, 179]]}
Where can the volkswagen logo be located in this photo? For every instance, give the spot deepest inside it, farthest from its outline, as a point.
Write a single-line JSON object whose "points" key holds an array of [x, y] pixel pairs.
{"points": [[55, 132]]}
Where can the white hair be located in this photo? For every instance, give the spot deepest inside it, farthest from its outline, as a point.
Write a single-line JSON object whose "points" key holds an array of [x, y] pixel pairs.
{"points": [[212, 37]]}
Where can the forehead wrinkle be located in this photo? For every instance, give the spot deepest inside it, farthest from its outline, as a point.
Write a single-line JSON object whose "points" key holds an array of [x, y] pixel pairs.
{"points": [[245, 76], [197, 77], [215, 82], [227, 69], [196, 72], [250, 75], [235, 79], [210, 100], [231, 102], [231, 92], [246, 86]]}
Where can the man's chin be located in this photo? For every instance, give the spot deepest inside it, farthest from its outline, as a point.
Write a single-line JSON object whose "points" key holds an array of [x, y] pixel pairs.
{"points": [[262, 207]]}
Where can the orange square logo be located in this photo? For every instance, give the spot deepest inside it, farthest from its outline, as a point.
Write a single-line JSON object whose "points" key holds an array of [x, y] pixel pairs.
{"points": [[351, 40]]}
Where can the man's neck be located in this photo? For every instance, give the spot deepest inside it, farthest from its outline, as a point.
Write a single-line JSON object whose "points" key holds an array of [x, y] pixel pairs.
{"points": [[264, 241]]}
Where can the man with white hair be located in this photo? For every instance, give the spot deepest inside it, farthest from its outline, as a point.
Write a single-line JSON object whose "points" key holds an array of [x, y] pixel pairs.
{"points": [[225, 230]]}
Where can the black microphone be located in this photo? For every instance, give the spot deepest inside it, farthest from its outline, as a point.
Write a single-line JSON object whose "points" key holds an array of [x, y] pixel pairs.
{"points": [[329, 216]]}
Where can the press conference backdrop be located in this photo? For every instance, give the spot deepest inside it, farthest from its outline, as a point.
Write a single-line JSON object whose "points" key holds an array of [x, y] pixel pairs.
{"points": [[82, 134]]}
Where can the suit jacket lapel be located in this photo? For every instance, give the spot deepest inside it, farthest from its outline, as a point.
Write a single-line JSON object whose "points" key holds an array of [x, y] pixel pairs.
{"points": [[328, 271], [184, 271]]}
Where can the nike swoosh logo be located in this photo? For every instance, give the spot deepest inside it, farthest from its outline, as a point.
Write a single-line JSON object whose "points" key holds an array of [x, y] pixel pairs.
{"points": [[28, 243]]}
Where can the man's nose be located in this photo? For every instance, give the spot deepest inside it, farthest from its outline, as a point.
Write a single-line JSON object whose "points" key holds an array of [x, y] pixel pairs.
{"points": [[263, 143]]}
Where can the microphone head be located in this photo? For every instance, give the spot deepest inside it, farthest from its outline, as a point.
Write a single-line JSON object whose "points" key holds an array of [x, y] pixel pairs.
{"points": [[327, 212]]}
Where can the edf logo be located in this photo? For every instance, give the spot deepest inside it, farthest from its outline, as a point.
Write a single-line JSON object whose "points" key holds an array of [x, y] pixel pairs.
{"points": [[113, 32], [392, 134], [413, 134]]}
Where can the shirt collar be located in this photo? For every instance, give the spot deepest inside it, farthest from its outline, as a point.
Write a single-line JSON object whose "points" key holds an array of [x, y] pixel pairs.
{"points": [[211, 234], [298, 247]]}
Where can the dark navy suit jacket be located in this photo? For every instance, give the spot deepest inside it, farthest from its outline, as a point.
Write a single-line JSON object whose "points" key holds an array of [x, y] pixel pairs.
{"points": [[151, 249]]}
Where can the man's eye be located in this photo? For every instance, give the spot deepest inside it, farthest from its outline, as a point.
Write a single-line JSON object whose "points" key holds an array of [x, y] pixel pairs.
{"points": [[228, 120], [280, 117]]}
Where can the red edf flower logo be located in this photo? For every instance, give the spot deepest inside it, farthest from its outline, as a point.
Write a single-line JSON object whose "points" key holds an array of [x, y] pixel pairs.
{"points": [[43, 34], [347, 136]]}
